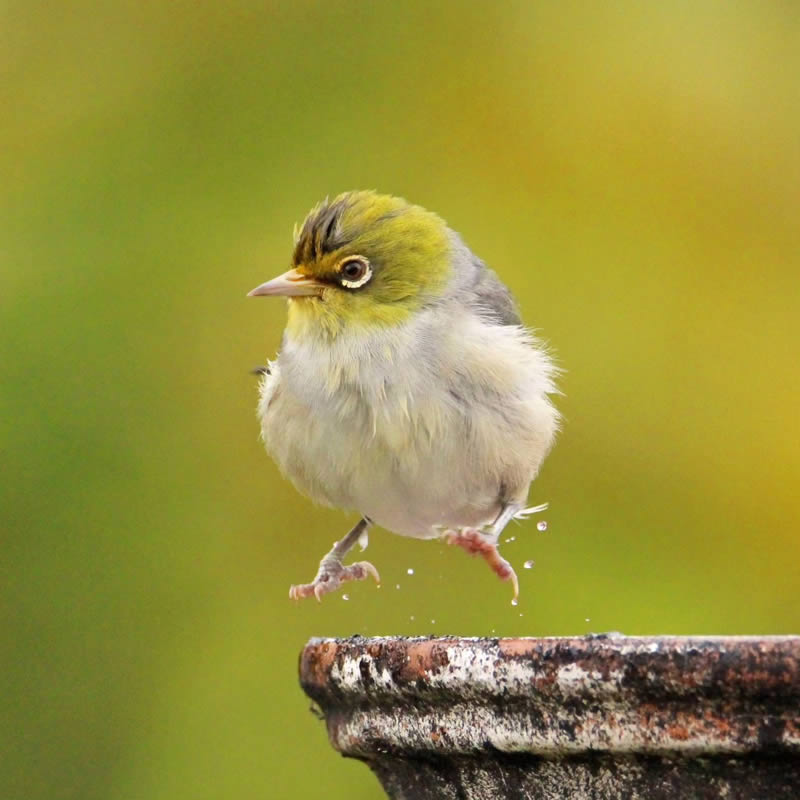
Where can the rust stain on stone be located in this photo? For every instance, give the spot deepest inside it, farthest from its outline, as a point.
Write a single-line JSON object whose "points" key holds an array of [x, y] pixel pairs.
{"points": [[316, 661], [516, 648], [419, 660], [680, 732]]}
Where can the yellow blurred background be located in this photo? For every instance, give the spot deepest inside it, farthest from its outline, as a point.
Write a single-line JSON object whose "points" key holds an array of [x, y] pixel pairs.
{"points": [[632, 170]]}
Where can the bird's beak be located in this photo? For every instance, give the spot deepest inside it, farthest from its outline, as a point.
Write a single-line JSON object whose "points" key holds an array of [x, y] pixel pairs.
{"points": [[291, 284]]}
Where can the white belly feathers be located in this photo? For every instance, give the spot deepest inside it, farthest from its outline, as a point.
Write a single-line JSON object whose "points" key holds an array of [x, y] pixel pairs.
{"points": [[416, 426]]}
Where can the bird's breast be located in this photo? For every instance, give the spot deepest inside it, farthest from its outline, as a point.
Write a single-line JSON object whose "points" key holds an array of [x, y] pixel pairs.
{"points": [[400, 428]]}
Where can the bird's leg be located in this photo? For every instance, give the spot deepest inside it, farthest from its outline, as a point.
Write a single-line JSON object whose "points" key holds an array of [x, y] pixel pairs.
{"points": [[332, 573], [484, 543]]}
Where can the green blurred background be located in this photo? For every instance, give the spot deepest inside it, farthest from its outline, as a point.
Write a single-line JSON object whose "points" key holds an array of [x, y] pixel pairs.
{"points": [[631, 170]]}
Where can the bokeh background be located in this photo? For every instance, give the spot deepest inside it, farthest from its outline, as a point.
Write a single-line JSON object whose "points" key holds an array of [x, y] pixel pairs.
{"points": [[631, 170]]}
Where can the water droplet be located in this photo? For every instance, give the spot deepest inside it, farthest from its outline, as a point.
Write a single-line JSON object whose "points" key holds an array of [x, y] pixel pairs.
{"points": [[510, 539], [345, 597], [520, 613], [514, 601], [410, 571], [588, 619], [529, 564], [541, 525]]}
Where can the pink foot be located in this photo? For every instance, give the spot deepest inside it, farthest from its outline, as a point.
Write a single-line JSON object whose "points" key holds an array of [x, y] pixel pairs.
{"points": [[476, 544], [331, 575]]}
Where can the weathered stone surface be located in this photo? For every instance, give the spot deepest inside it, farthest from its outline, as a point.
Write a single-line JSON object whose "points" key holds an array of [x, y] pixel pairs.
{"points": [[596, 717]]}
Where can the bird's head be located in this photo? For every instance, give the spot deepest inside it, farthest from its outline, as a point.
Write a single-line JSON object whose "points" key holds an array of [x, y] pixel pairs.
{"points": [[363, 260]]}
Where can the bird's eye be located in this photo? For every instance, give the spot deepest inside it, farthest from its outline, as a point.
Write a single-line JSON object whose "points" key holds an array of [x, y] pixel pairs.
{"points": [[354, 272]]}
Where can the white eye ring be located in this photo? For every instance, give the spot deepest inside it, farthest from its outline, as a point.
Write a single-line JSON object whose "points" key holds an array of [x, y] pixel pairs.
{"points": [[359, 278]]}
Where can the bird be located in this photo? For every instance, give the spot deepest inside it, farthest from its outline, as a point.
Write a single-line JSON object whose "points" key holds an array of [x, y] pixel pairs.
{"points": [[406, 389]]}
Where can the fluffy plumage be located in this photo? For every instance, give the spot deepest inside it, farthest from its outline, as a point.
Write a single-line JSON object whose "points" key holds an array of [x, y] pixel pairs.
{"points": [[419, 401]]}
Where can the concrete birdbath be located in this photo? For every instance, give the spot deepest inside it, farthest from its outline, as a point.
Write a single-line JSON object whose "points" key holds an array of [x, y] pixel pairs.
{"points": [[595, 717]]}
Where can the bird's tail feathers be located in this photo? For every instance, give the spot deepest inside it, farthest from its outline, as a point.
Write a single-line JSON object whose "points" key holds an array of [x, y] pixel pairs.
{"points": [[524, 513]]}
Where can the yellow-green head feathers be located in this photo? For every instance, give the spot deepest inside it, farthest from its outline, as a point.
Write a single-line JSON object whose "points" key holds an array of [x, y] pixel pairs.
{"points": [[376, 258]]}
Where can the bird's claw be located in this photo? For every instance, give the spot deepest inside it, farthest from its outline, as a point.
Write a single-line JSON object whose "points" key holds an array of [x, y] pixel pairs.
{"points": [[331, 575], [478, 544]]}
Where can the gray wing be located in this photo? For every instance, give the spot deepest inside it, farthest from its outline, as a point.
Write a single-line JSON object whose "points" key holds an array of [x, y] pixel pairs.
{"points": [[491, 297]]}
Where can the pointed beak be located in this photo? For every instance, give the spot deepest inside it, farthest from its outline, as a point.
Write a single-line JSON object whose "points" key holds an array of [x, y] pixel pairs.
{"points": [[291, 284]]}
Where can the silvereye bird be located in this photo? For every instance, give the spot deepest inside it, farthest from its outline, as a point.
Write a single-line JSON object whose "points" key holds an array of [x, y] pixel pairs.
{"points": [[406, 388]]}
